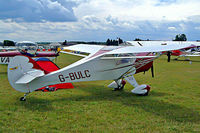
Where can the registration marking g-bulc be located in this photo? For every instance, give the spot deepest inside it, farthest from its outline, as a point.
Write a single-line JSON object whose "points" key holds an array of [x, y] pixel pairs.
{"points": [[74, 75]]}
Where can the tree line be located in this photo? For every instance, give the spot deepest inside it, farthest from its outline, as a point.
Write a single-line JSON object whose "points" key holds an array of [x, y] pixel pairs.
{"points": [[109, 42], [179, 37]]}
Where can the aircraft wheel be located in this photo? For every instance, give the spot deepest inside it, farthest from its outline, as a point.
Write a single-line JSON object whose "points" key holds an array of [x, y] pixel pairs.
{"points": [[119, 88], [141, 87], [122, 85], [147, 93], [22, 99]]}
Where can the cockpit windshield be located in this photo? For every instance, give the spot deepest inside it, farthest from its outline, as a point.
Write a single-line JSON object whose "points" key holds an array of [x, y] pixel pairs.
{"points": [[27, 46]]}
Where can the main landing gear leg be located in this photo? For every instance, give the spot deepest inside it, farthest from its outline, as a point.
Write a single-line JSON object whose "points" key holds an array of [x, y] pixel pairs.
{"points": [[118, 85], [24, 97]]}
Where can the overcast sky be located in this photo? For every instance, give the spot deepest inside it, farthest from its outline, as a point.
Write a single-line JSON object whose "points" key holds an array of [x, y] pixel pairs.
{"points": [[97, 20]]}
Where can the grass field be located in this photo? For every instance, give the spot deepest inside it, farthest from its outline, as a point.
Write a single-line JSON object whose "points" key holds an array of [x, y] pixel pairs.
{"points": [[173, 104]]}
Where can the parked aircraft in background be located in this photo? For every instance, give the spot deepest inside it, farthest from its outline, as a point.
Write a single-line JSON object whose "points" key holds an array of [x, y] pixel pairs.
{"points": [[4, 49], [118, 63], [188, 52], [191, 51], [6, 57]]}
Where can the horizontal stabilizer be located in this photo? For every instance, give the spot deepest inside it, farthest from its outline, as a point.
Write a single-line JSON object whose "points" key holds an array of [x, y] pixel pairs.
{"points": [[29, 76]]}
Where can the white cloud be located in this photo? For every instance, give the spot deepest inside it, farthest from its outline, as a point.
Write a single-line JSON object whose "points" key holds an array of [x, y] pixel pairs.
{"points": [[8, 26], [36, 11], [99, 19], [136, 10], [182, 27], [197, 28], [172, 28]]}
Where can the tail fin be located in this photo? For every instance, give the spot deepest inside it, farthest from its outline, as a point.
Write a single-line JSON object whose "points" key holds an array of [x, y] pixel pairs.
{"points": [[21, 71]]}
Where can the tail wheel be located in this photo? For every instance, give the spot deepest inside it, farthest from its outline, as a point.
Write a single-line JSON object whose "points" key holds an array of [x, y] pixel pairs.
{"points": [[22, 99]]}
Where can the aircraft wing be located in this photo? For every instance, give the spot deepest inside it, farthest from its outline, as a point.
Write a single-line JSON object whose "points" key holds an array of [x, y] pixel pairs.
{"points": [[158, 43], [9, 53], [86, 48], [92, 49], [153, 48], [73, 53], [127, 57], [197, 44]]}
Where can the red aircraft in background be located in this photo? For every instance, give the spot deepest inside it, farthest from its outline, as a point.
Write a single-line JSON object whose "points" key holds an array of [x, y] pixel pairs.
{"points": [[191, 51], [48, 66], [5, 57], [40, 62]]}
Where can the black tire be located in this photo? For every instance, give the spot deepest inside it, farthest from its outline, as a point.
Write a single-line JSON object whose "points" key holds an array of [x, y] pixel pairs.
{"points": [[121, 88], [22, 99], [146, 94]]}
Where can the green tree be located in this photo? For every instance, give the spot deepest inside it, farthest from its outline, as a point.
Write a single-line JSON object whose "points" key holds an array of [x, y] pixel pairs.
{"points": [[65, 42], [180, 37], [108, 42], [120, 41], [8, 43], [111, 42], [138, 39], [115, 42]]}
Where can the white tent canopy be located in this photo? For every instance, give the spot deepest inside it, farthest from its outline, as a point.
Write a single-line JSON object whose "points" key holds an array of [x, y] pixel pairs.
{"points": [[55, 44], [25, 43]]}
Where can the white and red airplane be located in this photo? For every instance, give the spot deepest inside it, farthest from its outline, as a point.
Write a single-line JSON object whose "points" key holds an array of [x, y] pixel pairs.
{"points": [[118, 63], [187, 52]]}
